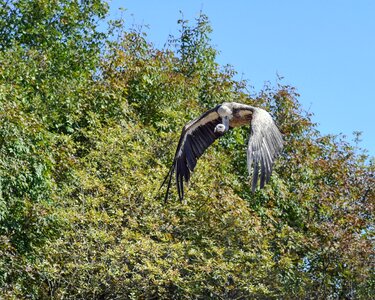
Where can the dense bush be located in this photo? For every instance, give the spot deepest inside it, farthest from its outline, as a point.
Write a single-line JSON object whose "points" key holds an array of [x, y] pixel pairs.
{"points": [[88, 128]]}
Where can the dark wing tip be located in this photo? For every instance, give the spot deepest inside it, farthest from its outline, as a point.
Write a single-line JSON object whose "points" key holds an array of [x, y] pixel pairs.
{"points": [[169, 178]]}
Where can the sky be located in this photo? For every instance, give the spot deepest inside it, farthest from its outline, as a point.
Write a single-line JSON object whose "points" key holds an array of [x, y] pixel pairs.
{"points": [[326, 49]]}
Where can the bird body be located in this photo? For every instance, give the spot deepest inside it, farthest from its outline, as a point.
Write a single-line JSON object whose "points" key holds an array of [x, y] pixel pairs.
{"points": [[265, 141]]}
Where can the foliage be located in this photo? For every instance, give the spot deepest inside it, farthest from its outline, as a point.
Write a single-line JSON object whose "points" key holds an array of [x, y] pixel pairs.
{"points": [[87, 135]]}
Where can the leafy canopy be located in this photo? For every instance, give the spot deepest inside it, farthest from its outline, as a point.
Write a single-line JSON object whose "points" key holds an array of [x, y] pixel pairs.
{"points": [[88, 128]]}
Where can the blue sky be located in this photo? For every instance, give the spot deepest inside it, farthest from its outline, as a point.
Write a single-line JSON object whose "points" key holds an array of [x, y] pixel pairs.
{"points": [[326, 49]]}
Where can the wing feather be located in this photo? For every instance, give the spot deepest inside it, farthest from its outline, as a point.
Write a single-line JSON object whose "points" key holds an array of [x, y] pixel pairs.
{"points": [[265, 144], [195, 138]]}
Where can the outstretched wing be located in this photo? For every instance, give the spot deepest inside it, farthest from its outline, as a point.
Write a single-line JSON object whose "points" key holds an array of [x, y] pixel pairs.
{"points": [[195, 138], [265, 144]]}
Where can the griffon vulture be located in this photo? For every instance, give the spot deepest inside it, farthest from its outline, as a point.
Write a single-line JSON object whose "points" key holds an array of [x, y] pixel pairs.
{"points": [[265, 142]]}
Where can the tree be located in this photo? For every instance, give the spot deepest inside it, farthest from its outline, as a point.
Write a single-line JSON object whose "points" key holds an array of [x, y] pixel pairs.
{"points": [[87, 135]]}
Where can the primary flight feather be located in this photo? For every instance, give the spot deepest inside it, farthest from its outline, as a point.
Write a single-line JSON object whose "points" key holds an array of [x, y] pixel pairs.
{"points": [[265, 142]]}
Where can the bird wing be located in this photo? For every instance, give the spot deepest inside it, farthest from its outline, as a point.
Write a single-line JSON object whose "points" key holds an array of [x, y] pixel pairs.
{"points": [[196, 137], [265, 143]]}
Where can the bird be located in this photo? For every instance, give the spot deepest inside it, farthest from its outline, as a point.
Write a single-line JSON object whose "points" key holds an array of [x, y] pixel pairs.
{"points": [[264, 145]]}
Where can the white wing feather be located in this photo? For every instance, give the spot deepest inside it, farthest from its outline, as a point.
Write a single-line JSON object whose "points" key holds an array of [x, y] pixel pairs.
{"points": [[265, 143]]}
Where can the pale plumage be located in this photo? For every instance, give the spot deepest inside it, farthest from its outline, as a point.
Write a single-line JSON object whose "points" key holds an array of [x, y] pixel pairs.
{"points": [[265, 142]]}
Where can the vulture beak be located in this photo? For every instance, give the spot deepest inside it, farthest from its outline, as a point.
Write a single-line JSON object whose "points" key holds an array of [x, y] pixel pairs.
{"points": [[226, 122]]}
